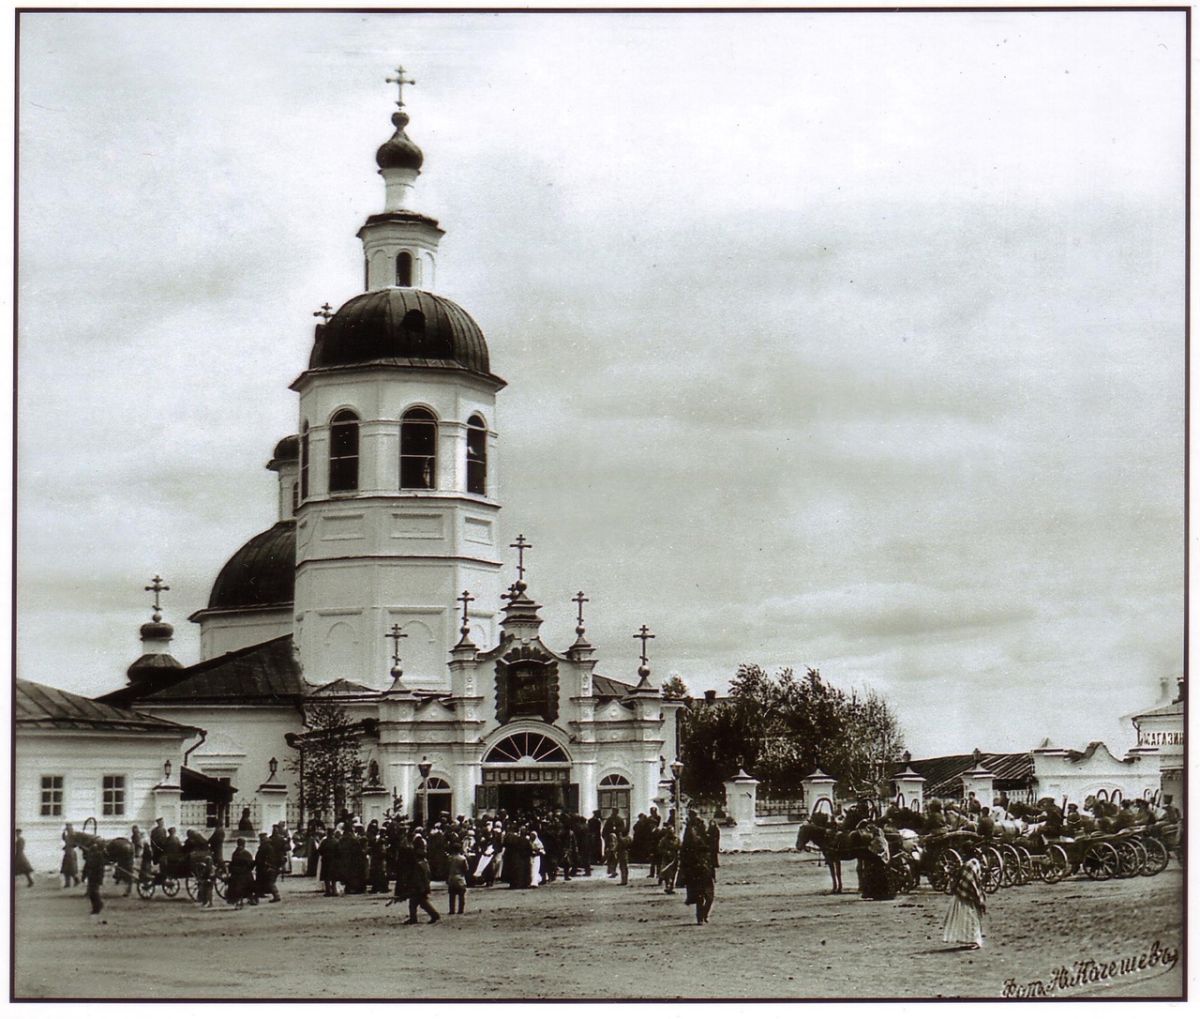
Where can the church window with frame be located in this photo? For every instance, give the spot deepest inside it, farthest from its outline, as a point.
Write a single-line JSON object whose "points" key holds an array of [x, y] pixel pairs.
{"points": [[404, 269], [304, 461], [614, 791], [418, 449], [476, 456], [343, 452]]}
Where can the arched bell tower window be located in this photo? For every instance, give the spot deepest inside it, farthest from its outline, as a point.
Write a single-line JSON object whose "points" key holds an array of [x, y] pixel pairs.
{"points": [[343, 452], [304, 461], [404, 269], [476, 456], [418, 449]]}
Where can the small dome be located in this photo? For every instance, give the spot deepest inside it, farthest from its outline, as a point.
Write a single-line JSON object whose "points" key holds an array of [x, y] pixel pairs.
{"points": [[157, 630], [287, 448], [401, 325], [399, 152], [151, 667], [260, 573]]}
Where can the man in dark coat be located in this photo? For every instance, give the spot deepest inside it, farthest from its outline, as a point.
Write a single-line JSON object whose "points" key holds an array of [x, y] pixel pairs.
{"points": [[281, 846], [216, 844], [200, 865], [241, 877], [93, 876], [265, 870], [418, 893], [325, 852], [438, 855], [595, 827], [714, 842], [695, 868], [158, 840]]}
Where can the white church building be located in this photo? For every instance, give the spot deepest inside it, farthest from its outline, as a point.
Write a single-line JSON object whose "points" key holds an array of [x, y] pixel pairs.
{"points": [[382, 585]]}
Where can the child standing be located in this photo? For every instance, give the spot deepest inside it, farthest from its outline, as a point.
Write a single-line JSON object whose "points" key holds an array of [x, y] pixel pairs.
{"points": [[456, 880], [964, 919]]}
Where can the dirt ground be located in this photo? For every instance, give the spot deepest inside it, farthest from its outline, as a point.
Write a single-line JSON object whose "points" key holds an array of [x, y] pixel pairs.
{"points": [[775, 932]]}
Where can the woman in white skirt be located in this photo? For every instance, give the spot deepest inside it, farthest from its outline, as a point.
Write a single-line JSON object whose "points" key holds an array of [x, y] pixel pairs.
{"points": [[968, 903]]}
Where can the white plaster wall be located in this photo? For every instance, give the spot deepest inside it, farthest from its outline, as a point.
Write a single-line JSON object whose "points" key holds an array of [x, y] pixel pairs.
{"points": [[257, 731], [232, 631], [1056, 776], [83, 759]]}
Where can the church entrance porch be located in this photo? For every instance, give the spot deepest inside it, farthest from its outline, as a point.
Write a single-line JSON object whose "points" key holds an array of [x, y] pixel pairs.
{"points": [[526, 790]]}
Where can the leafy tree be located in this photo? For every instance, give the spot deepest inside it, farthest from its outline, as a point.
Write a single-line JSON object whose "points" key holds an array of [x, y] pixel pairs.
{"points": [[675, 688], [781, 729], [330, 765]]}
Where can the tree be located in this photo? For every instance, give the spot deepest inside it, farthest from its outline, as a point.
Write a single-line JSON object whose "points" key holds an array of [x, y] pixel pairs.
{"points": [[675, 688], [781, 729], [330, 765]]}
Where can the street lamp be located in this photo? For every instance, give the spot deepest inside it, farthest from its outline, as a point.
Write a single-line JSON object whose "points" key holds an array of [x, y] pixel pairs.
{"points": [[166, 770], [425, 767], [677, 771]]}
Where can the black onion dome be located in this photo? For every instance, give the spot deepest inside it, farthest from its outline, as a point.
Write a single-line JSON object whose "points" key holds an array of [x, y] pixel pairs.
{"points": [[400, 325], [157, 630], [260, 573], [399, 152]]}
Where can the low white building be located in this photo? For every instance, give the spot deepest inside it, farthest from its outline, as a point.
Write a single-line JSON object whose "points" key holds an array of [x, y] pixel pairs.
{"points": [[1162, 728], [78, 759]]}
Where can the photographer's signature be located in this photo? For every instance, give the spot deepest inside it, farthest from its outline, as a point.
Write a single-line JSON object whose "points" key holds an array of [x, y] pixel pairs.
{"points": [[1095, 971]]}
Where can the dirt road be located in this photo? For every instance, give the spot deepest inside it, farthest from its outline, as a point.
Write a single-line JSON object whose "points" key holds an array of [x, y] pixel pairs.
{"points": [[774, 933]]}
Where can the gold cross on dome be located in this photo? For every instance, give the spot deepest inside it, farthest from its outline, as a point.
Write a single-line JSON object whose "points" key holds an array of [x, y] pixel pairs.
{"points": [[325, 312], [396, 634], [579, 599], [400, 81]]}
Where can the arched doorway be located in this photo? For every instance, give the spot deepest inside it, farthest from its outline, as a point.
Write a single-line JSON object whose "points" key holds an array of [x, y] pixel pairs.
{"points": [[441, 799], [526, 772], [614, 791]]}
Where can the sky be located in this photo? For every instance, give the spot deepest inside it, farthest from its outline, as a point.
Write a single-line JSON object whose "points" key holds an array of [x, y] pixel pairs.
{"points": [[851, 341]]}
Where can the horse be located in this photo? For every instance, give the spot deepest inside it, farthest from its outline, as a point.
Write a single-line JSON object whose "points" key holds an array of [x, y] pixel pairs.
{"points": [[118, 852], [835, 846]]}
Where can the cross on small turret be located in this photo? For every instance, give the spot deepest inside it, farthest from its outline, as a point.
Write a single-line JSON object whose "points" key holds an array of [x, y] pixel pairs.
{"points": [[396, 634], [325, 312], [579, 599], [520, 545], [157, 586], [644, 635], [400, 81], [466, 598]]}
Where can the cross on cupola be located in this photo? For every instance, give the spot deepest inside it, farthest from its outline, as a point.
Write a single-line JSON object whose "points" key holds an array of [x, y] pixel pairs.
{"points": [[644, 635], [157, 586], [466, 598], [521, 545], [579, 600], [325, 312], [395, 635], [400, 81]]}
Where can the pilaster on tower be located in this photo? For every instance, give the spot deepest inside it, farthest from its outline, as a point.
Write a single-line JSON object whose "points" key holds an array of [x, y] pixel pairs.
{"points": [[399, 245]]}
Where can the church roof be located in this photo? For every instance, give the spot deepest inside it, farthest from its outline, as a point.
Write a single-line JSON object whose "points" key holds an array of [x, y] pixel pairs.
{"points": [[400, 326], [260, 574], [603, 686], [46, 707], [264, 673], [344, 688]]}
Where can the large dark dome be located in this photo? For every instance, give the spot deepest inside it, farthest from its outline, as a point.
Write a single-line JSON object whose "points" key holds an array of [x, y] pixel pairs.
{"points": [[401, 326], [260, 573]]}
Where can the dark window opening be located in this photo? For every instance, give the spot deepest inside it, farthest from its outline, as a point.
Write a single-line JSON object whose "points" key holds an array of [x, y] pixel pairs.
{"points": [[295, 498], [476, 456], [404, 269], [418, 450], [343, 452], [304, 462]]}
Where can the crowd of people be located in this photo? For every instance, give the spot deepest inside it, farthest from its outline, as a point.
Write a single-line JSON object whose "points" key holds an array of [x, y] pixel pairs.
{"points": [[403, 858]]}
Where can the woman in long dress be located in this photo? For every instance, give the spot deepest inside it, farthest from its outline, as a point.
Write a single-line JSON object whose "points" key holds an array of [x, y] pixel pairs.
{"points": [[964, 918]]}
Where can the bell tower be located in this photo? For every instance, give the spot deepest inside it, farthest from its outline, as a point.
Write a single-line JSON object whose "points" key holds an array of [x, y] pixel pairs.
{"points": [[398, 487]]}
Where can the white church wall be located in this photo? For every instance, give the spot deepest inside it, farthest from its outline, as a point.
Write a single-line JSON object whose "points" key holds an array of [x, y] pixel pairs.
{"points": [[232, 631], [82, 759], [257, 730]]}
